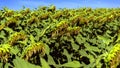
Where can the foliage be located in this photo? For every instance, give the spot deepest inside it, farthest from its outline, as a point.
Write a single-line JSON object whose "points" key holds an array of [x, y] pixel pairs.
{"points": [[47, 37]]}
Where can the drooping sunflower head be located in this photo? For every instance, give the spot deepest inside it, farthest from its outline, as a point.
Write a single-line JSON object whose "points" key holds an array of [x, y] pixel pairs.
{"points": [[4, 52], [114, 56], [34, 49], [15, 37]]}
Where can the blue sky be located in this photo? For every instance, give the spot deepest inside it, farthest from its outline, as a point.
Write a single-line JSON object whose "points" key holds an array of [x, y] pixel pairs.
{"points": [[17, 4]]}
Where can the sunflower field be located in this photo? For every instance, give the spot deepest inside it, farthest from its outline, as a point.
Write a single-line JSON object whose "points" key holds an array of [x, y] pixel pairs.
{"points": [[47, 37]]}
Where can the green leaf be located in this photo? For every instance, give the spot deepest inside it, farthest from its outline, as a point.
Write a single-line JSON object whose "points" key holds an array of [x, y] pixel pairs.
{"points": [[9, 30], [93, 41], [91, 58], [47, 49], [92, 48], [71, 64], [32, 39], [14, 50], [118, 39], [80, 39], [83, 52], [98, 64], [105, 40], [7, 65], [20, 63], [100, 44], [1, 64], [74, 46], [67, 54], [51, 60], [23, 42], [44, 63]]}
